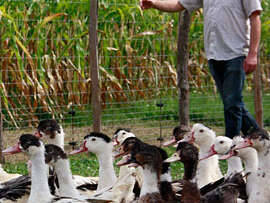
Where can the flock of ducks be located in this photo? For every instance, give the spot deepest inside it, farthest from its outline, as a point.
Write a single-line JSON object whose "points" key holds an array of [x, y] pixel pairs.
{"points": [[145, 174]]}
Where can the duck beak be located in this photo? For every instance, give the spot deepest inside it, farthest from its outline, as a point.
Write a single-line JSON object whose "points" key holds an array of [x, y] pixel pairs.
{"points": [[37, 134], [12, 150], [115, 142], [228, 155], [210, 153], [82, 148], [120, 153], [245, 143], [169, 142], [189, 137], [125, 161], [175, 157]]}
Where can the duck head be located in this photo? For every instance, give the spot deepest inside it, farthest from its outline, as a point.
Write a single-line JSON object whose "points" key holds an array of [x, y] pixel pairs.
{"points": [[28, 143], [178, 134], [120, 135], [95, 142]]}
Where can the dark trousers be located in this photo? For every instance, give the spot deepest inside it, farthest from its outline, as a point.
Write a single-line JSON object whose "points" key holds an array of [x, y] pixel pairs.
{"points": [[229, 77]]}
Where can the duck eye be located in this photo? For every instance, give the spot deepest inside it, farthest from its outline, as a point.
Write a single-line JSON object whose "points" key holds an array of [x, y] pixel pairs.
{"points": [[93, 139], [124, 133], [201, 131], [221, 142]]}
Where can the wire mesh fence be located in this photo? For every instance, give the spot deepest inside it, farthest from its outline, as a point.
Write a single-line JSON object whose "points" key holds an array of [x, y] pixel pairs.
{"points": [[45, 69]]}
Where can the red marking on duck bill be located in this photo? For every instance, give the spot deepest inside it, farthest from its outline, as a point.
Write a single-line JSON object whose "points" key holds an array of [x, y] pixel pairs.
{"points": [[37, 134], [228, 155], [246, 143], [82, 148], [115, 141], [210, 153], [12, 150]]}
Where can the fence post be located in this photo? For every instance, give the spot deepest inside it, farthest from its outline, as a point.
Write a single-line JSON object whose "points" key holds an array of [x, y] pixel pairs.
{"points": [[182, 67], [93, 61], [258, 93], [2, 160]]}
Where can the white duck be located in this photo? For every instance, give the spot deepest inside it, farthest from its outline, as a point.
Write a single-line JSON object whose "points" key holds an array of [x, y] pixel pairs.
{"points": [[250, 159], [54, 134], [221, 146], [108, 186], [35, 149], [259, 140], [120, 135], [208, 169], [101, 145], [4, 176]]}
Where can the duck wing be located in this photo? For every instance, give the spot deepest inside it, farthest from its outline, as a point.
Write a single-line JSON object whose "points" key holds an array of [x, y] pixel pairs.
{"points": [[211, 186], [227, 193], [15, 188]]}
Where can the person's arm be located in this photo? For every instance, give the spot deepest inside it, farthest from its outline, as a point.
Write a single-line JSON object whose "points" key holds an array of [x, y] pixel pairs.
{"points": [[162, 5], [250, 63]]}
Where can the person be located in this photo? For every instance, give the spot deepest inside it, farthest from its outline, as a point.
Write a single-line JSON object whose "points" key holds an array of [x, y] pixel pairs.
{"points": [[231, 40]]}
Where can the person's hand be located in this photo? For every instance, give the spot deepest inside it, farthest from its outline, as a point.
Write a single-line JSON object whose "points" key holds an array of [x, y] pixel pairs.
{"points": [[250, 63], [146, 4]]}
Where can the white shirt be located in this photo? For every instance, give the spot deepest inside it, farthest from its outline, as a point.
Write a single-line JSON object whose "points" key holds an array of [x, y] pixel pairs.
{"points": [[226, 26]]}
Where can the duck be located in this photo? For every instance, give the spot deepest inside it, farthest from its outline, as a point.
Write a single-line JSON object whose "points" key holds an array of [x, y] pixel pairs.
{"points": [[221, 146], [53, 132], [188, 154], [122, 191], [249, 157], [133, 145], [258, 139], [40, 192], [4, 176], [58, 159], [208, 169], [15, 190], [101, 145], [108, 186], [151, 162], [120, 135], [178, 134]]}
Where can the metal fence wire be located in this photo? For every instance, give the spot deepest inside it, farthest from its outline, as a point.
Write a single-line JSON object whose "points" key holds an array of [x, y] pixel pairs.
{"points": [[45, 69]]}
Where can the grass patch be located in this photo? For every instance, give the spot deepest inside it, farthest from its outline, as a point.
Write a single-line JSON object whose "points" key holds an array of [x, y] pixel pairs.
{"points": [[86, 164]]}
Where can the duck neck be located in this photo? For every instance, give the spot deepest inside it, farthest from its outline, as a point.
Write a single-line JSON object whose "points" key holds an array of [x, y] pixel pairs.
{"points": [[190, 169], [64, 175], [40, 191], [150, 182], [107, 175], [58, 139], [264, 157], [250, 159], [234, 165]]}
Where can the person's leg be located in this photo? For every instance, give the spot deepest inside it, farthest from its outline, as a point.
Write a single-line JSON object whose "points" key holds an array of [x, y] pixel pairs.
{"points": [[248, 122], [236, 116], [216, 70]]}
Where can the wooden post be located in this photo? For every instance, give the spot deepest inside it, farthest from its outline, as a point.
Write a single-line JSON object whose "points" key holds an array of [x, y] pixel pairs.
{"points": [[2, 160], [258, 94], [182, 67], [93, 60]]}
